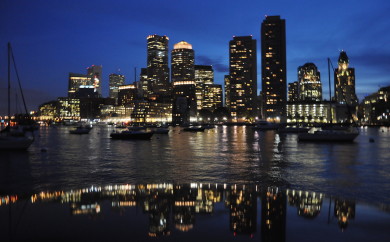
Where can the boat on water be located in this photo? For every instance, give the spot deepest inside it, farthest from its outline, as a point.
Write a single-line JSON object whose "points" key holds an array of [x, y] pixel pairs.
{"points": [[12, 139], [127, 134], [194, 129], [292, 129], [264, 125], [80, 130], [319, 134]]}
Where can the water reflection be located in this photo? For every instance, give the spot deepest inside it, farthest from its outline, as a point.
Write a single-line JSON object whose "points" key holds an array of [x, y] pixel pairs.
{"points": [[169, 210]]}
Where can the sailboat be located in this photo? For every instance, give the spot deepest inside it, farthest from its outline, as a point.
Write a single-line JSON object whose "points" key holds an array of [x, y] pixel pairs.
{"points": [[331, 135], [9, 139]]}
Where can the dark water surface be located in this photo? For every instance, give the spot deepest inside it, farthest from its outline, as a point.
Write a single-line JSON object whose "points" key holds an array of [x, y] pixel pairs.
{"points": [[274, 186]]}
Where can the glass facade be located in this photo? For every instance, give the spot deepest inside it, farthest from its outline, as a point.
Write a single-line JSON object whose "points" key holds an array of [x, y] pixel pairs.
{"points": [[310, 87]]}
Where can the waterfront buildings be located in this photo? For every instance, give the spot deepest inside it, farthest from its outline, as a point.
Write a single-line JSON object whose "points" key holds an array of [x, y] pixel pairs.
{"points": [[310, 88], [242, 80], [208, 94], [375, 108], [77, 81], [183, 80], [273, 68], [115, 80]]}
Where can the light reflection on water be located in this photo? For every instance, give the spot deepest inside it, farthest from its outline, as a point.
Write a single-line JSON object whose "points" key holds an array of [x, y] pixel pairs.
{"points": [[235, 154], [189, 212]]}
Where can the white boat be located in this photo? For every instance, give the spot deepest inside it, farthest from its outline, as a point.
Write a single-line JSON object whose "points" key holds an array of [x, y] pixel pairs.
{"points": [[264, 125], [318, 134], [10, 139]]}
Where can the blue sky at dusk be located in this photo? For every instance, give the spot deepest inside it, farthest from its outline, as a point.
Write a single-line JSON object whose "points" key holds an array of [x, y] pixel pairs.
{"points": [[52, 38]]}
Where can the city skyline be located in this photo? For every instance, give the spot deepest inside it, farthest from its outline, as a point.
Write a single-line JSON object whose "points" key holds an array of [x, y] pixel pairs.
{"points": [[49, 43]]}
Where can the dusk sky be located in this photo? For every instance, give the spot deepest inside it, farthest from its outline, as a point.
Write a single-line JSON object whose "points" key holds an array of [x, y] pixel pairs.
{"points": [[51, 38]]}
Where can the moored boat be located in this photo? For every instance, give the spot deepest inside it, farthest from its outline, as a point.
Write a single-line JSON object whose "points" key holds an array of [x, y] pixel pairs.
{"points": [[80, 130], [193, 129], [318, 134]]}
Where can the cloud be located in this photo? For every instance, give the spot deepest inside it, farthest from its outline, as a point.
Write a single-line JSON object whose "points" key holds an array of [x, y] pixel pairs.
{"points": [[217, 63]]}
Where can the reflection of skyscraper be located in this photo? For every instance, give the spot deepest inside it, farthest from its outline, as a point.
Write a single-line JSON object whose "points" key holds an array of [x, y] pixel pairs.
{"points": [[242, 78], [183, 80], [115, 80], [273, 215], [310, 88], [243, 210], [184, 208], [273, 67], [343, 211], [344, 81], [157, 70], [95, 74]]}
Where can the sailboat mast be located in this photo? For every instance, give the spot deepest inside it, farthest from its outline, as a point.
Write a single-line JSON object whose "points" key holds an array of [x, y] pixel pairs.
{"points": [[330, 92], [9, 84]]}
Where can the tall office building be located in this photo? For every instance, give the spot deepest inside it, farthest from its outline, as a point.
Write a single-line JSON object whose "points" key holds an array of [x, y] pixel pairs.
{"points": [[310, 88], [183, 80], [95, 74], [344, 81], [273, 68], [158, 70], [242, 78], [204, 75], [115, 80]]}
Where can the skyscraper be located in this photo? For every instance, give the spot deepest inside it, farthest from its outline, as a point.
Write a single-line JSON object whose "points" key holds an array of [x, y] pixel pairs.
{"points": [[95, 74], [203, 75], [273, 67], [183, 80], [344, 82], [157, 70], [115, 80], [242, 78], [310, 88]]}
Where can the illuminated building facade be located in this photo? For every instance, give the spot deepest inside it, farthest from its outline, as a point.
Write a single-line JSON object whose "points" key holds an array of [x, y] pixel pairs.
{"points": [[375, 108], [293, 92], [157, 60], [145, 87], [48, 111], [212, 97], [69, 108], [95, 75], [75, 82], [304, 112], [242, 78], [183, 80], [203, 75], [115, 80], [344, 81], [227, 91], [126, 94], [310, 88], [273, 68]]}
